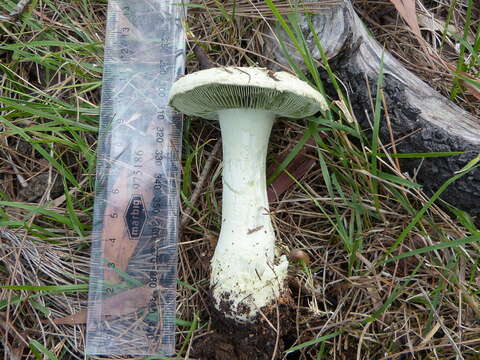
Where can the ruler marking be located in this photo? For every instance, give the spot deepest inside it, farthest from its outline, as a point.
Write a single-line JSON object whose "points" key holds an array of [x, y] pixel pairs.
{"points": [[137, 183]]}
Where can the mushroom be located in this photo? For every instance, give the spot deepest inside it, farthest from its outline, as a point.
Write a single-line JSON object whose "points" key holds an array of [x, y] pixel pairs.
{"points": [[247, 274]]}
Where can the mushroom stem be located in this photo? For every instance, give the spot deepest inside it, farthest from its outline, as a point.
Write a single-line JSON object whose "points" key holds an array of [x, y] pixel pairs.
{"points": [[246, 276]]}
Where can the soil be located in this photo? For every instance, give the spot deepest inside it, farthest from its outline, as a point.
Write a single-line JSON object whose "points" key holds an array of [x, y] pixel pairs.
{"points": [[38, 185], [232, 341]]}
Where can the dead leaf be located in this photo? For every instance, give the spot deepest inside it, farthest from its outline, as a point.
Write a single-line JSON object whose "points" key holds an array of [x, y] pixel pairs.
{"points": [[475, 91], [408, 12], [78, 318], [472, 89], [213, 240], [298, 167], [119, 304]]}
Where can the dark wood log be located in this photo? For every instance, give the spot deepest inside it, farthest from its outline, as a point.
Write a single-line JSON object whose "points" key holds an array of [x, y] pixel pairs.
{"points": [[424, 119]]}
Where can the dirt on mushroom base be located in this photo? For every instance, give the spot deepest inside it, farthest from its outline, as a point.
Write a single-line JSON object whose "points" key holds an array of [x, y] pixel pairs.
{"points": [[230, 340]]}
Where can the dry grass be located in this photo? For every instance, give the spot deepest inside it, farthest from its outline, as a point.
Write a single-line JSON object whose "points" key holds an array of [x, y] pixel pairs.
{"points": [[424, 306]]}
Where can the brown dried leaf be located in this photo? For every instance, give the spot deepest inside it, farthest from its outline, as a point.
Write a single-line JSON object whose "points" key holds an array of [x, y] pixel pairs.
{"points": [[472, 89], [78, 318], [119, 304], [299, 166], [475, 91], [407, 10]]}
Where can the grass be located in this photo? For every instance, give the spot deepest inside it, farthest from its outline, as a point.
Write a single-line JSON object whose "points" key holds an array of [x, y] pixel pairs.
{"points": [[391, 273]]}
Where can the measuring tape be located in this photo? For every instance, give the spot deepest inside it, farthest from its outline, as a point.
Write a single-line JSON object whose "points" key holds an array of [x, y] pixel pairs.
{"points": [[134, 246]]}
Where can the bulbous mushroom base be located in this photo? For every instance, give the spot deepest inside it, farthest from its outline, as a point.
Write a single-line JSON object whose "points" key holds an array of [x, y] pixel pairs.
{"points": [[242, 294]]}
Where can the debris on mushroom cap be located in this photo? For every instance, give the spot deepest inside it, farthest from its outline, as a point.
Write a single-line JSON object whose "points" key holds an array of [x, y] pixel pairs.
{"points": [[205, 92]]}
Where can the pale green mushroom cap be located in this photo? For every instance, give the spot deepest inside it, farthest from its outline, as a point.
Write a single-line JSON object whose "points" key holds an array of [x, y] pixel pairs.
{"points": [[205, 92]]}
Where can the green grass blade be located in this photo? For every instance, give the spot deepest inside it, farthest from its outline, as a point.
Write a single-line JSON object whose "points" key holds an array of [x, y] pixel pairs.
{"points": [[422, 211], [36, 345], [376, 135], [47, 288], [315, 341], [444, 245]]}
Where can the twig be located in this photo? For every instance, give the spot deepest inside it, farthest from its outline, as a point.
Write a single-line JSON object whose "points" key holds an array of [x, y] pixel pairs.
{"points": [[277, 339], [200, 182], [20, 8], [204, 60], [15, 14]]}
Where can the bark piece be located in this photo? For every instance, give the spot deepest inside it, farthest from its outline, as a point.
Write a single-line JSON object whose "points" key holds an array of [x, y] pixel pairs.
{"points": [[428, 121]]}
